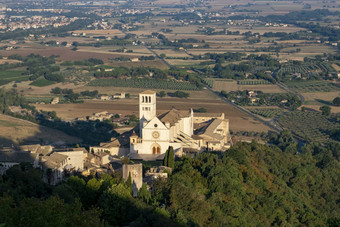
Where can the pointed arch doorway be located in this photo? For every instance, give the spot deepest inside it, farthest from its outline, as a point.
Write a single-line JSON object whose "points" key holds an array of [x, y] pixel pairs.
{"points": [[155, 148]]}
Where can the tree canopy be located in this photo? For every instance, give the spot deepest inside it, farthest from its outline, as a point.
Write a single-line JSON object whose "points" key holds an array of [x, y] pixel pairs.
{"points": [[267, 185]]}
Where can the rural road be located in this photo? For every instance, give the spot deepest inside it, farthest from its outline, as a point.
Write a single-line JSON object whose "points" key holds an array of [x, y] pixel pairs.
{"points": [[159, 57], [270, 124], [152, 51], [284, 87]]}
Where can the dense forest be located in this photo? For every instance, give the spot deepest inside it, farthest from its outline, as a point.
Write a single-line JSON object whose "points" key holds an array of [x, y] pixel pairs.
{"points": [[250, 184]]}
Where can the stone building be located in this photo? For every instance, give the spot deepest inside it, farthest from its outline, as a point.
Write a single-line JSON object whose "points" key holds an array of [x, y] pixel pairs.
{"points": [[136, 173], [10, 159], [179, 129], [119, 95], [55, 100], [55, 163]]}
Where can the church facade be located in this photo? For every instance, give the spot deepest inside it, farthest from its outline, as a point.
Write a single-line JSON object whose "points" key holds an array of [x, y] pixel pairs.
{"points": [[184, 131], [157, 133]]}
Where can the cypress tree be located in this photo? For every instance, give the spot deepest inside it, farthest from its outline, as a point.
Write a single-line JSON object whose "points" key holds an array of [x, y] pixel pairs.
{"points": [[144, 194], [165, 160], [171, 158]]}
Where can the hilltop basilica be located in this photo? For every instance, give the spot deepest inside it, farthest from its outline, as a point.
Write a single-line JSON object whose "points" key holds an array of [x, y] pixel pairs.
{"points": [[186, 132]]}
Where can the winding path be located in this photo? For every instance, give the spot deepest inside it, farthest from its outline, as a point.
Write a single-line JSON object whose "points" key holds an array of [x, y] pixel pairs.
{"points": [[284, 87]]}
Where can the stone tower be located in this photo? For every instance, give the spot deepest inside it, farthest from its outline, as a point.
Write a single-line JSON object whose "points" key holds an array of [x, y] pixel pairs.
{"points": [[136, 173], [147, 107]]}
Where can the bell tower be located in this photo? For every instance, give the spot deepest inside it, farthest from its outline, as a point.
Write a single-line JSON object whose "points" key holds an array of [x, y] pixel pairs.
{"points": [[147, 107]]}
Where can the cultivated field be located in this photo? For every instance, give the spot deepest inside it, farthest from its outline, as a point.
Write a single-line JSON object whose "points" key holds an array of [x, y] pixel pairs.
{"points": [[112, 32], [315, 93], [231, 85], [238, 120], [308, 125], [153, 64], [266, 111], [8, 76], [322, 97], [64, 53], [334, 109], [317, 99], [314, 86], [17, 131]]}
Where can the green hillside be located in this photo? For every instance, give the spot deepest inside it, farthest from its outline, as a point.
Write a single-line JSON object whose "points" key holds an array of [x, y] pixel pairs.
{"points": [[249, 185]]}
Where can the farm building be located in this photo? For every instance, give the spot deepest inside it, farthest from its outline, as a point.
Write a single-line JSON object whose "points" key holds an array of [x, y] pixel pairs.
{"points": [[55, 100]]}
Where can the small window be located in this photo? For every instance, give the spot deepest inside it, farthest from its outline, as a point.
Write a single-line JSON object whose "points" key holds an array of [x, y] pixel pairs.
{"points": [[156, 125]]}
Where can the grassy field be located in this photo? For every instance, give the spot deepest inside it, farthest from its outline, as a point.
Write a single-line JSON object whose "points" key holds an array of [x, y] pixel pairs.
{"points": [[314, 86], [13, 75], [39, 99], [17, 131], [42, 82], [316, 107], [320, 97], [10, 74]]}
